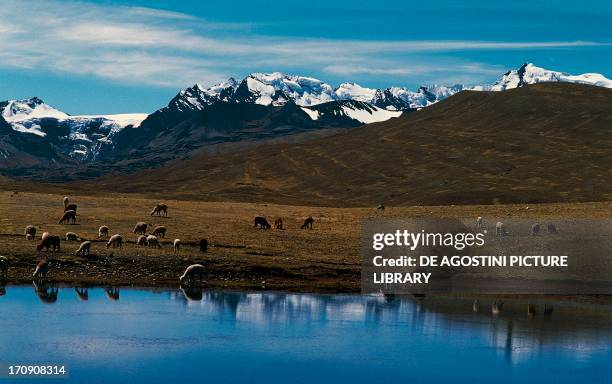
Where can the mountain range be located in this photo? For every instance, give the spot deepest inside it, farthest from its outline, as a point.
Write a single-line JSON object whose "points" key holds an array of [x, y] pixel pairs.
{"points": [[261, 106]]}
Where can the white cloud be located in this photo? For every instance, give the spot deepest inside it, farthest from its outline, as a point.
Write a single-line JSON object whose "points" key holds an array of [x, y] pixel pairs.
{"points": [[146, 46]]}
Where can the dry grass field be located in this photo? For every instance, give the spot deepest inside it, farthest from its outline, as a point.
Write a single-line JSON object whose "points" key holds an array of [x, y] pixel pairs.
{"points": [[326, 258]]}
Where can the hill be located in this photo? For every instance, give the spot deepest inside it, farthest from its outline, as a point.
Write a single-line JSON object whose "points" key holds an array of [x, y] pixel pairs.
{"points": [[548, 142]]}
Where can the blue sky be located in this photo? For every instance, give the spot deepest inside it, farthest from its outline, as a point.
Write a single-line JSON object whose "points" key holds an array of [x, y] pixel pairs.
{"points": [[118, 56]]}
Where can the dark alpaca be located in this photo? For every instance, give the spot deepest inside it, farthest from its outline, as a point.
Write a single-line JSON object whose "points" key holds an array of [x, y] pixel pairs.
{"points": [[278, 224], [159, 231], [307, 223], [69, 216], [70, 207], [262, 223], [49, 242], [159, 210], [42, 268], [203, 245]]}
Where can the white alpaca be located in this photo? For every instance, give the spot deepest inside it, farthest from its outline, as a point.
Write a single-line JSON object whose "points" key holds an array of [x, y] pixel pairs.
{"points": [[115, 241], [152, 241], [84, 249], [500, 229], [177, 245], [188, 278]]}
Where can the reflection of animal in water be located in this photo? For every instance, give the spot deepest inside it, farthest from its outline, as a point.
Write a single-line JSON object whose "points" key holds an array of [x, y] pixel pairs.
{"points": [[535, 229], [531, 310], [115, 241], [49, 241], [103, 232], [548, 310], [45, 293], [68, 206], [82, 293], [159, 231], [479, 223], [500, 229], [307, 223], [475, 306], [261, 222], [159, 210], [84, 249], [195, 270], [68, 217], [552, 229], [30, 232], [152, 241], [71, 236], [42, 268], [191, 293], [203, 245], [3, 267], [497, 307], [2, 290], [112, 293], [278, 223], [140, 228], [177, 245]]}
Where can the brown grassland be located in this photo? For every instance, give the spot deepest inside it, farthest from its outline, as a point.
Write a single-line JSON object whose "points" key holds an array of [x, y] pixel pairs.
{"points": [[326, 258]]}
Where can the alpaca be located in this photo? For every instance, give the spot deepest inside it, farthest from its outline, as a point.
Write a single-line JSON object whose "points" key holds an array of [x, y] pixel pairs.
{"points": [[70, 207], [30, 232], [188, 278], [69, 216], [552, 229], [500, 229], [49, 241], [45, 235], [535, 229], [262, 223], [152, 241], [115, 241], [159, 231], [479, 223], [103, 232], [71, 236], [142, 240], [3, 266], [203, 245], [177, 245], [307, 223], [159, 210], [42, 268], [84, 249], [140, 228], [278, 223]]}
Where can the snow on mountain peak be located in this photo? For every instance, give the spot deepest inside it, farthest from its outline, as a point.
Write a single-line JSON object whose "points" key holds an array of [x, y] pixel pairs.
{"points": [[353, 91], [277, 88]]}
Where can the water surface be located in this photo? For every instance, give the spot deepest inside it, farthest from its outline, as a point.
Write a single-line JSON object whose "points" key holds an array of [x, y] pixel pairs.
{"points": [[143, 336]]}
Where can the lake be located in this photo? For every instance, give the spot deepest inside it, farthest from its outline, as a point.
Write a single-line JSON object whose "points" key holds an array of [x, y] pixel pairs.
{"points": [[149, 336]]}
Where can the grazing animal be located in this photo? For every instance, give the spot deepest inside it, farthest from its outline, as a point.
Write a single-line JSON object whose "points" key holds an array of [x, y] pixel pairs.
{"points": [[112, 293], [552, 229], [535, 229], [30, 232], [152, 241], [140, 228], [159, 231], [500, 229], [45, 235], [66, 201], [70, 207], [142, 240], [115, 241], [479, 223], [307, 223], [531, 310], [3, 266], [380, 208], [103, 232], [84, 249], [49, 241], [45, 293], [497, 307], [159, 210], [42, 268], [278, 223], [82, 293], [188, 278], [548, 310], [262, 223], [203, 245], [69, 216], [71, 236], [177, 245]]}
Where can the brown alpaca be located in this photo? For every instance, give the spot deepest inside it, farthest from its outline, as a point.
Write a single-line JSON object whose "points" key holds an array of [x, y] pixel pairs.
{"points": [[69, 216], [203, 245], [159, 210], [42, 268], [140, 228], [159, 231], [278, 224], [307, 223], [49, 241], [70, 207]]}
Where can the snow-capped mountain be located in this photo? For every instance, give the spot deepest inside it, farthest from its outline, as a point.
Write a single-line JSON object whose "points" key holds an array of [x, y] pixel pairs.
{"points": [[80, 137], [530, 74]]}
